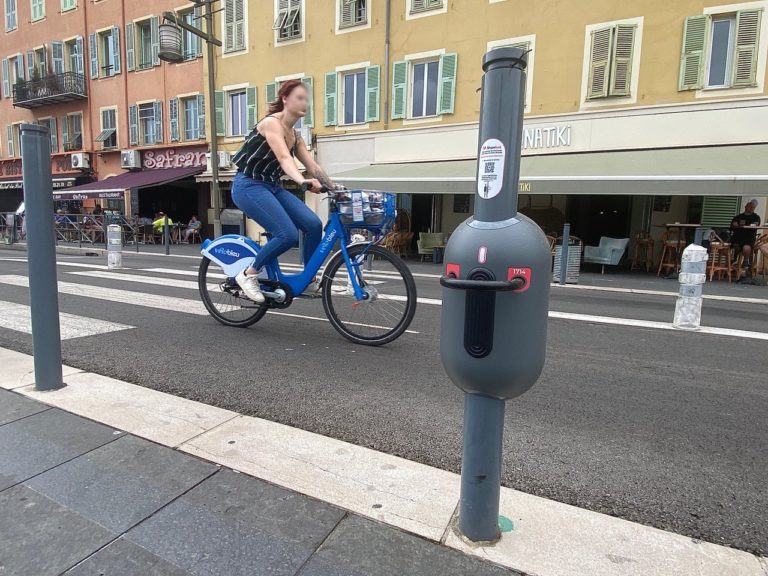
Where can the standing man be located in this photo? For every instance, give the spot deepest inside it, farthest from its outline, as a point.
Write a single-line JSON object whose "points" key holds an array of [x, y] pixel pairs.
{"points": [[743, 238]]}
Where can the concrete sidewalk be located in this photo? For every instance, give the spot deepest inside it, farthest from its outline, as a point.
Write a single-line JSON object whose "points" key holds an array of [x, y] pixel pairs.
{"points": [[80, 498]]}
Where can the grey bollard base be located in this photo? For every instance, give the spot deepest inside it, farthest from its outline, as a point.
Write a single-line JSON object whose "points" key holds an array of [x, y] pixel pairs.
{"points": [[41, 254], [481, 468]]}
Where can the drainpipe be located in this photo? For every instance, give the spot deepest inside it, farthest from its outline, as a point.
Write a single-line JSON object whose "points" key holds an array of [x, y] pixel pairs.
{"points": [[386, 64]]}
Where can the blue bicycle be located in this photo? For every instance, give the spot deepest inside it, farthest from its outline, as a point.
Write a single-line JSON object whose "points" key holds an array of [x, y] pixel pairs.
{"points": [[368, 293]]}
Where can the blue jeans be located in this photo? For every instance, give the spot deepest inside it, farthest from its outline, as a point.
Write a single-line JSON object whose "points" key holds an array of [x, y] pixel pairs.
{"points": [[280, 213]]}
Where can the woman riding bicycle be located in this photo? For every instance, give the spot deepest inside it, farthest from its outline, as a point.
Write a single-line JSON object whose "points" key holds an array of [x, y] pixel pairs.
{"points": [[267, 155]]}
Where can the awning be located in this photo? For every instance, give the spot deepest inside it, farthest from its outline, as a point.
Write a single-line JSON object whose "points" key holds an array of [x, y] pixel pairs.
{"points": [[706, 171], [134, 180], [105, 134]]}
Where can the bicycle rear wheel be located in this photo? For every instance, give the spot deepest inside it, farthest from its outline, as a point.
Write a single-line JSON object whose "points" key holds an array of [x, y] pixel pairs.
{"points": [[391, 303], [224, 299]]}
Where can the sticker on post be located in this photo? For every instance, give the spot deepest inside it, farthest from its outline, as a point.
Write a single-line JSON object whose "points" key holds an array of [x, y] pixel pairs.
{"points": [[357, 207], [491, 168]]}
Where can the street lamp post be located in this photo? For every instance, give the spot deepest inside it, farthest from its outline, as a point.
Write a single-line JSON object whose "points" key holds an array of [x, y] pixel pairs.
{"points": [[170, 53]]}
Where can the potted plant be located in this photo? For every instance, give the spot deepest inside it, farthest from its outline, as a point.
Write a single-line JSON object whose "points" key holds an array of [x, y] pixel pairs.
{"points": [[20, 90]]}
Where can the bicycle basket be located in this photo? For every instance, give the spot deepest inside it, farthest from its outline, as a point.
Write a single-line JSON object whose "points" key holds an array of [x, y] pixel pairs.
{"points": [[378, 210]]}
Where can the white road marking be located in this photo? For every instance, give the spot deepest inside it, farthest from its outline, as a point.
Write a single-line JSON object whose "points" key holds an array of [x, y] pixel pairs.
{"points": [[17, 317], [139, 279], [739, 299]]}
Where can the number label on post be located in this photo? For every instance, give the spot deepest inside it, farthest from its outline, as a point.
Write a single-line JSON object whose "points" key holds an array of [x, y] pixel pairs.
{"points": [[491, 168]]}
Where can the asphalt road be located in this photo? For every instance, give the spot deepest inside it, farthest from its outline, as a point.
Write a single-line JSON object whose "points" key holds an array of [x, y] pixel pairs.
{"points": [[661, 427]]}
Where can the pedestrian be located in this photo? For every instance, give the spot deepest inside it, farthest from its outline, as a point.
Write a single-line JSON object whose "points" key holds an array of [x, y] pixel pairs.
{"points": [[742, 238], [193, 226]]}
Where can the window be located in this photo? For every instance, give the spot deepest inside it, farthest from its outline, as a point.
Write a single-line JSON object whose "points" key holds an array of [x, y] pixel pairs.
{"points": [[721, 51], [11, 138], [234, 25], [144, 44], [41, 62], [191, 118], [610, 62], [108, 134], [104, 53], [16, 64], [68, 5], [72, 132], [191, 45], [73, 56], [147, 123], [425, 5], [238, 118], [51, 124], [352, 13], [38, 9], [424, 93], [10, 15], [424, 88], [353, 86], [288, 22]]}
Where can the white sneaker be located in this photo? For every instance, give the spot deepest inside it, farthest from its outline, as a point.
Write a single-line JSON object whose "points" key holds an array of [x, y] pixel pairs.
{"points": [[251, 287], [314, 290]]}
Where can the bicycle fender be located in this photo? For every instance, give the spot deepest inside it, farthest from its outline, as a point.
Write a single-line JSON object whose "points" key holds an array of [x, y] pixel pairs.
{"points": [[234, 253]]}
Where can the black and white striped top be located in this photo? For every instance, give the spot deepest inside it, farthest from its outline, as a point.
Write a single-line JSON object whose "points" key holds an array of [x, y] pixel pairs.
{"points": [[256, 159]]}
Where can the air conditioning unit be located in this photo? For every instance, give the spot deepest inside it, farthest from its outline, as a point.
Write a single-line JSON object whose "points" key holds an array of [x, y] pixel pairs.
{"points": [[225, 160], [306, 135], [80, 161], [130, 159]]}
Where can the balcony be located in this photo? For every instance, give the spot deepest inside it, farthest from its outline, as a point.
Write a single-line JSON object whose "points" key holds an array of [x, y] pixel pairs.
{"points": [[52, 89]]}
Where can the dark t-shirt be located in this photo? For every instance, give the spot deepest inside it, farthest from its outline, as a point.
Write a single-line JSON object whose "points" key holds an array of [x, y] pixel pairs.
{"points": [[744, 237]]}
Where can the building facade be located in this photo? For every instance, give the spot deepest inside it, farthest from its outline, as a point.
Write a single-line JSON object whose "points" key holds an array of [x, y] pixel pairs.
{"points": [[90, 71], [636, 114]]}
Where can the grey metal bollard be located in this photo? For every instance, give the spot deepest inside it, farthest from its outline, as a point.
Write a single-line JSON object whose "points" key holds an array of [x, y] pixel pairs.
{"points": [[114, 246], [166, 236], [564, 253], [495, 296], [41, 252]]}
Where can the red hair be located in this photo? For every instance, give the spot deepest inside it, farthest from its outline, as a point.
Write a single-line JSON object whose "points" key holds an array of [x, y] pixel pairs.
{"points": [[285, 90]]}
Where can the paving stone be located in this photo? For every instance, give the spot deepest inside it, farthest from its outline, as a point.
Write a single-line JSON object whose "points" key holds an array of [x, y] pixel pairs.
{"points": [[13, 407], [44, 440], [361, 547], [39, 537], [239, 526], [123, 558], [123, 482]]}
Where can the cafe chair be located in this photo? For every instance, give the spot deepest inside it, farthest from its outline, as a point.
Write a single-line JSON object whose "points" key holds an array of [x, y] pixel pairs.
{"points": [[720, 259], [672, 245], [608, 252], [427, 243], [644, 246]]}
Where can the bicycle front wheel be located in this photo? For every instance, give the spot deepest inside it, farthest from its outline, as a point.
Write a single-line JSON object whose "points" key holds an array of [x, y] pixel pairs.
{"points": [[224, 299], [390, 301]]}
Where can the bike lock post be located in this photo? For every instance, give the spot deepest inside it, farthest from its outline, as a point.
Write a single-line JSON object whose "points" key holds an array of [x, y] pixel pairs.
{"points": [[41, 252], [564, 253], [166, 236], [497, 267]]}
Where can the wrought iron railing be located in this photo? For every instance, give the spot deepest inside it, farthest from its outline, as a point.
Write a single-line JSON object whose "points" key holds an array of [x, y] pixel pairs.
{"points": [[49, 89]]}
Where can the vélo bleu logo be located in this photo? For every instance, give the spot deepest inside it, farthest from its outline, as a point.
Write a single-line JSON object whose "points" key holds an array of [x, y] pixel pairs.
{"points": [[226, 252]]}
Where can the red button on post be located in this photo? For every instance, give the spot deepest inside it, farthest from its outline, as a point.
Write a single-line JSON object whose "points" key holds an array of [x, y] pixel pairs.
{"points": [[518, 272], [453, 270]]}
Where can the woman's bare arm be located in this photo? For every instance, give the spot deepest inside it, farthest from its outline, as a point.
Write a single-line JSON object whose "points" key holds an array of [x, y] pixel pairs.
{"points": [[272, 130]]}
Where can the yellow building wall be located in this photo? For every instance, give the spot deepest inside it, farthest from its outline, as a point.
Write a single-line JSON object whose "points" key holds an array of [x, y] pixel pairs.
{"points": [[466, 28]]}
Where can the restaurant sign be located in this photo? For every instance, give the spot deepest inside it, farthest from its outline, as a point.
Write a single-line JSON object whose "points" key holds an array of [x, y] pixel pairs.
{"points": [[60, 164], [191, 157], [535, 138], [87, 195]]}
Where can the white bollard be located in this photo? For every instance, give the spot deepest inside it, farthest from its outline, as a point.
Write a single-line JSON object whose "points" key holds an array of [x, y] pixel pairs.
{"points": [[693, 274], [114, 246]]}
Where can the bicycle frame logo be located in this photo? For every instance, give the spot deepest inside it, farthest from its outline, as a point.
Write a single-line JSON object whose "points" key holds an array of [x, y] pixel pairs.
{"points": [[226, 252]]}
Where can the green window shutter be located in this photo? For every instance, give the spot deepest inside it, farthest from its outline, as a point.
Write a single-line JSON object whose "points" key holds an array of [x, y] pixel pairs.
{"points": [[250, 101], [747, 42], [718, 211], [201, 114], [52, 127], [373, 93], [309, 117], [399, 88], [57, 51], [155, 37], [621, 62], [221, 120], [79, 60], [229, 25], [347, 9], [599, 62], [330, 111], [9, 140], [130, 50], [93, 53], [199, 24], [692, 59], [158, 122], [271, 92], [115, 39], [447, 92], [173, 118], [133, 124], [6, 79], [64, 131]]}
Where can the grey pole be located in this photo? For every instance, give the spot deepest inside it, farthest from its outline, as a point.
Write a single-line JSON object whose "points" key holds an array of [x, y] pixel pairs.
{"points": [[481, 467], [564, 252], [41, 249], [166, 236], [212, 114]]}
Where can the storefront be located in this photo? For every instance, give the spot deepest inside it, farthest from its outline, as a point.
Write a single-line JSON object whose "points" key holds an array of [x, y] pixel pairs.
{"points": [[164, 183]]}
